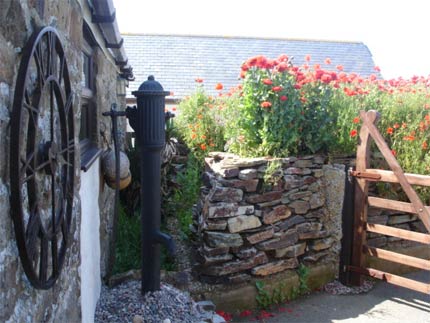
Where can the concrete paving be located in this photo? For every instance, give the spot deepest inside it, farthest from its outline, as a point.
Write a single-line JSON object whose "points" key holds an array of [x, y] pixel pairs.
{"points": [[385, 303]]}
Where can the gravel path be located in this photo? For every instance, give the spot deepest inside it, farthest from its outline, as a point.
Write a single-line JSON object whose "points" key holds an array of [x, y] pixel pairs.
{"points": [[123, 302]]}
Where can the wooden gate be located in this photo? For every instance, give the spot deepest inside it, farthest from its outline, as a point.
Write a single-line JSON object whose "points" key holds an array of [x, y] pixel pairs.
{"points": [[362, 201]]}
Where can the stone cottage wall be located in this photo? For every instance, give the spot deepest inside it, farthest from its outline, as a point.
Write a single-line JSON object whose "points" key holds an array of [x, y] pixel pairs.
{"points": [[262, 216], [19, 301]]}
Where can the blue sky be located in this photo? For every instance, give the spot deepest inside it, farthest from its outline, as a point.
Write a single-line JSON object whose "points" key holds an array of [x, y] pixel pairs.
{"points": [[396, 31]]}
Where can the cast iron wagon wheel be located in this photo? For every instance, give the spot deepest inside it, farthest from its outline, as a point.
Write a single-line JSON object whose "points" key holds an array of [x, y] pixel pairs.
{"points": [[42, 158]]}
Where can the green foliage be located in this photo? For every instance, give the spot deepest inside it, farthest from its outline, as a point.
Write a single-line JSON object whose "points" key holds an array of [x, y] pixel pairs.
{"points": [[186, 195], [273, 172], [128, 245], [303, 273], [263, 298], [279, 294], [200, 124], [127, 248], [281, 109]]}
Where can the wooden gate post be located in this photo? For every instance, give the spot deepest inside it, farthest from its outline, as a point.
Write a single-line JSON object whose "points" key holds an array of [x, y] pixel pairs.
{"points": [[360, 199]]}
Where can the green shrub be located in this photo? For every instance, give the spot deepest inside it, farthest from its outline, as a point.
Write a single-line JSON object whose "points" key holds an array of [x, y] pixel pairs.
{"points": [[281, 109], [186, 195], [200, 124], [128, 243]]}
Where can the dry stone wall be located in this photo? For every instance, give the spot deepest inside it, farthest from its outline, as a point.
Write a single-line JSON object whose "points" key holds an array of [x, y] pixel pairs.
{"points": [[260, 216]]}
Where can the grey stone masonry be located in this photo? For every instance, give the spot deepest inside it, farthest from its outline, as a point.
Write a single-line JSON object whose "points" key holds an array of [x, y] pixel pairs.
{"points": [[259, 220]]}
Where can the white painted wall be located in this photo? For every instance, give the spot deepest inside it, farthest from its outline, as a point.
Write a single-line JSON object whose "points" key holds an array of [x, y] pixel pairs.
{"points": [[90, 242]]}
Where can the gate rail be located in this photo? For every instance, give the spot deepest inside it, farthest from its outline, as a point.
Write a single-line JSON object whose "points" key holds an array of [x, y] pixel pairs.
{"points": [[363, 175]]}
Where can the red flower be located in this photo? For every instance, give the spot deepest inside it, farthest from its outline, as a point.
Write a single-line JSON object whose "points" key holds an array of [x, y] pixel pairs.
{"points": [[396, 126], [226, 316], [282, 67], [390, 130], [356, 120], [353, 133], [218, 86], [409, 138], [265, 315], [327, 61], [377, 68], [245, 313], [277, 88], [203, 147], [283, 98], [266, 104], [307, 58], [283, 58], [267, 81], [393, 152], [326, 78], [199, 80], [424, 145], [339, 67]]}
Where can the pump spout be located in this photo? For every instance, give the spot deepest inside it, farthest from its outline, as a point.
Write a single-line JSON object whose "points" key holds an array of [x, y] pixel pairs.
{"points": [[166, 241]]}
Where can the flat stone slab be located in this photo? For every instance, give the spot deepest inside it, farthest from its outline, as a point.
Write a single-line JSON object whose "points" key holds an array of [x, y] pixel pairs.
{"points": [[275, 267], [227, 210], [225, 194], [260, 236], [218, 239], [290, 252], [279, 242], [266, 197], [278, 213], [243, 222], [236, 266]]}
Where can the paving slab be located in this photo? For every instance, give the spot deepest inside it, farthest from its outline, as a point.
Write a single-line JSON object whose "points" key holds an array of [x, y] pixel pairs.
{"points": [[384, 303]]}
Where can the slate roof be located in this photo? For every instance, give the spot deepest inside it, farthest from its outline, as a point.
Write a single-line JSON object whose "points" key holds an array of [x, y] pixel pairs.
{"points": [[176, 61]]}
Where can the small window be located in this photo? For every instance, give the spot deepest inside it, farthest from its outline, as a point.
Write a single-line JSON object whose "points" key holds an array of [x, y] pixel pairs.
{"points": [[88, 130]]}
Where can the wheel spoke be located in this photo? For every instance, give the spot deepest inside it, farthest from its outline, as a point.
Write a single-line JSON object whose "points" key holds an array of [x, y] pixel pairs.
{"points": [[53, 204], [32, 232], [51, 106], [51, 54], [33, 113], [43, 264], [64, 231], [68, 105], [54, 253], [62, 65], [38, 57], [26, 167]]}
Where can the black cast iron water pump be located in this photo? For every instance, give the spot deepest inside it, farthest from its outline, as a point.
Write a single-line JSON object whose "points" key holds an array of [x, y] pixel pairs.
{"points": [[148, 122]]}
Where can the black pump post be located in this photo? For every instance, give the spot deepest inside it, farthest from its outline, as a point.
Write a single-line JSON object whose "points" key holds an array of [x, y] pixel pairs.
{"points": [[148, 121]]}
